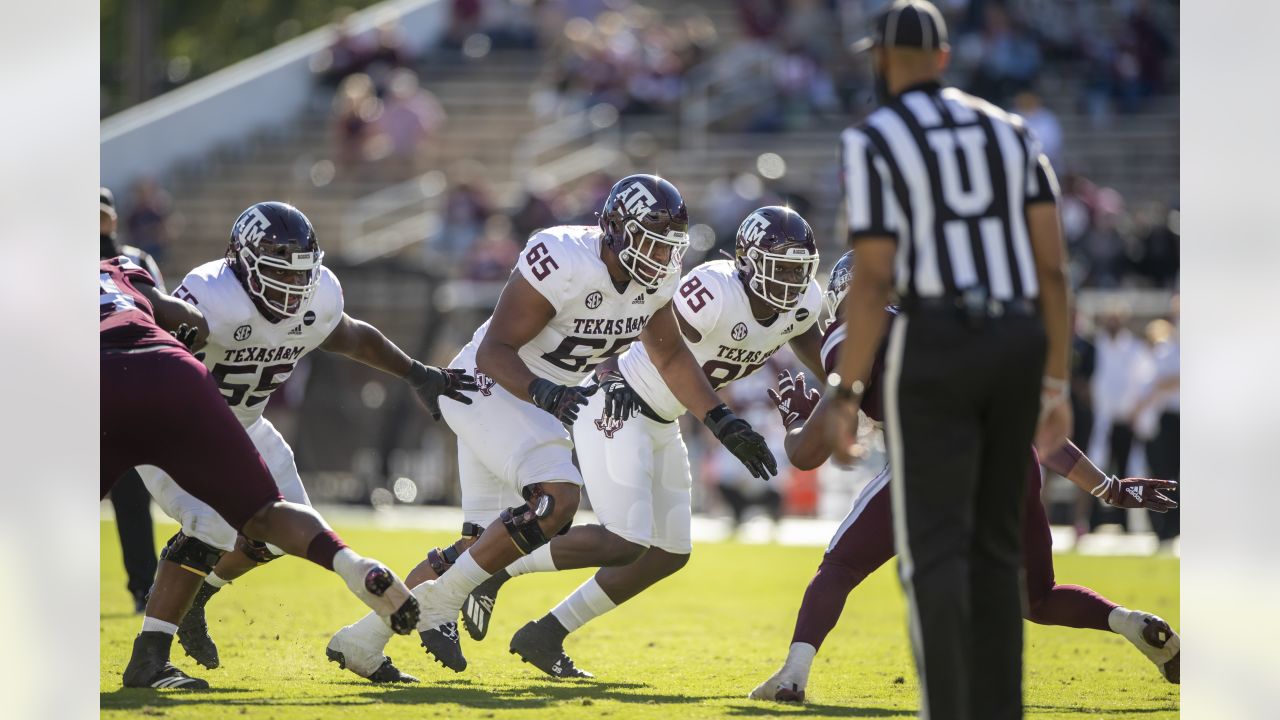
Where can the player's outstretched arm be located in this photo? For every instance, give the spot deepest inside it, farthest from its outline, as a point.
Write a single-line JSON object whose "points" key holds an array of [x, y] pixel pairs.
{"points": [[365, 343], [805, 415], [864, 314], [521, 314], [1071, 463], [172, 313]]}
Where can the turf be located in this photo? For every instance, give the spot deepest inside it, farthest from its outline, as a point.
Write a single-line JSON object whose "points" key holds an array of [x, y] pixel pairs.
{"points": [[693, 646]]}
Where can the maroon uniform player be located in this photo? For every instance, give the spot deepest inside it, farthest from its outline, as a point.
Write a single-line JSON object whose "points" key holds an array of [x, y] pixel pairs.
{"points": [[864, 541], [160, 406]]}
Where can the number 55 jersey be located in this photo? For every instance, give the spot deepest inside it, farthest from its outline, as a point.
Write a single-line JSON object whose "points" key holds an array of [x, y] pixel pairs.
{"points": [[506, 443], [249, 356]]}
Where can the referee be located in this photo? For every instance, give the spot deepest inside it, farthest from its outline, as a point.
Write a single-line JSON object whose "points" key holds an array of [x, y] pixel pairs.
{"points": [[952, 207]]}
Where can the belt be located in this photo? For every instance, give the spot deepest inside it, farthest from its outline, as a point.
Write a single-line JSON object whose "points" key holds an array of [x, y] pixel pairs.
{"points": [[990, 307], [648, 412]]}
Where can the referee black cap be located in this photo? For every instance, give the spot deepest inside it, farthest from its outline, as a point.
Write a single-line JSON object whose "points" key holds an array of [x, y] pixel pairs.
{"points": [[913, 24]]}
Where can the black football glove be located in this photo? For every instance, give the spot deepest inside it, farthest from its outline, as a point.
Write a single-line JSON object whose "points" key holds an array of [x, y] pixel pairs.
{"points": [[186, 334], [431, 382], [746, 444], [620, 401], [561, 401]]}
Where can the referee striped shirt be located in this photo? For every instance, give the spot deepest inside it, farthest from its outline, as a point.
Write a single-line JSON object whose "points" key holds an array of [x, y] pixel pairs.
{"points": [[948, 176]]}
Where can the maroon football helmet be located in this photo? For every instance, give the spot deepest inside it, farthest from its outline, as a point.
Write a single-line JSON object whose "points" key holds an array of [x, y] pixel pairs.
{"points": [[776, 255], [645, 222], [274, 253]]}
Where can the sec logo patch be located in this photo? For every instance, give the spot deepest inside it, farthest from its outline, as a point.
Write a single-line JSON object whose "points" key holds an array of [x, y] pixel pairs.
{"points": [[739, 331], [243, 332], [594, 300]]}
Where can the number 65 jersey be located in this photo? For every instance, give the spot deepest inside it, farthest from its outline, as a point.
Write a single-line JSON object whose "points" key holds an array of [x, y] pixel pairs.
{"points": [[734, 344], [249, 355]]}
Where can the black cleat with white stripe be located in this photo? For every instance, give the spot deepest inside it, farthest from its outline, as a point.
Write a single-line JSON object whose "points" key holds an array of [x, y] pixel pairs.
{"points": [[477, 611], [442, 644], [541, 644], [149, 666]]}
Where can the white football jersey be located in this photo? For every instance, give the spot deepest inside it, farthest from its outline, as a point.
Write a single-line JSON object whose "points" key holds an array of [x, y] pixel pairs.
{"points": [[247, 354], [713, 301], [593, 321]]}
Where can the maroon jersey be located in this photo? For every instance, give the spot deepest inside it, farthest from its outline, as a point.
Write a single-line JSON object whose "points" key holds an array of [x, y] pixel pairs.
{"points": [[126, 318], [872, 403]]}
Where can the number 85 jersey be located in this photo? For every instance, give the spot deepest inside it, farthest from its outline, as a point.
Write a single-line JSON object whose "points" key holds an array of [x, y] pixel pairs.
{"points": [[592, 322], [246, 353], [734, 344]]}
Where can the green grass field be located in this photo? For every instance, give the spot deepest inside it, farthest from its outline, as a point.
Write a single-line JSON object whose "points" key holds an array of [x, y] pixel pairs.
{"points": [[693, 646]]}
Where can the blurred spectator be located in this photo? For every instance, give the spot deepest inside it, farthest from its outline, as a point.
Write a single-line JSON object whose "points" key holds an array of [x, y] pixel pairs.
{"points": [[468, 204], [464, 21], [1043, 124], [495, 253], [347, 54], [411, 116], [148, 219], [760, 20], [356, 112], [535, 213], [1103, 246], [1123, 365], [389, 51], [1161, 402], [510, 24], [1142, 50], [1010, 57], [1157, 253]]}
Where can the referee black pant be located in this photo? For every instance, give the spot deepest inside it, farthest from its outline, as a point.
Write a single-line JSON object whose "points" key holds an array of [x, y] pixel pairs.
{"points": [[961, 404], [132, 504]]}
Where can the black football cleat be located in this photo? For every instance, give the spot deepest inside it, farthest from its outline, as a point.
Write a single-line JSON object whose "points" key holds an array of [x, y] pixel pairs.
{"points": [[543, 648], [193, 631], [149, 666], [442, 644], [387, 672], [477, 611]]}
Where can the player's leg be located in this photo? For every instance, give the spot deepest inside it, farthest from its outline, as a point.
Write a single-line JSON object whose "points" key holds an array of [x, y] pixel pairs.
{"points": [[995, 584], [1049, 603], [862, 543], [639, 487], [193, 631], [132, 507]]}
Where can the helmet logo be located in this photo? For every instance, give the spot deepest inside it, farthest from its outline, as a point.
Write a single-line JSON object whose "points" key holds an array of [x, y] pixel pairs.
{"points": [[801, 314], [594, 300], [753, 228], [739, 331], [309, 318], [637, 199], [252, 226]]}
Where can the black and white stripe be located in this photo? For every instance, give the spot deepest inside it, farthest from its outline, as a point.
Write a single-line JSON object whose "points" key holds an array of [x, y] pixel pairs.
{"points": [[948, 177]]}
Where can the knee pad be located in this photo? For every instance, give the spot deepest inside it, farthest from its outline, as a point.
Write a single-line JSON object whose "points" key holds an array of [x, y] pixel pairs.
{"points": [[441, 560], [258, 552], [191, 554], [522, 524], [533, 494]]}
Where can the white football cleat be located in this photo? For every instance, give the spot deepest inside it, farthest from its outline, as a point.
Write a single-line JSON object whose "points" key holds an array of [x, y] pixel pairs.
{"points": [[778, 689], [380, 589], [1153, 636], [346, 649]]}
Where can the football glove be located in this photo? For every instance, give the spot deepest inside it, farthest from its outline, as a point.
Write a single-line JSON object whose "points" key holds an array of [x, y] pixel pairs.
{"points": [[746, 444], [186, 334], [1145, 493], [795, 402], [561, 401], [431, 382], [620, 401]]}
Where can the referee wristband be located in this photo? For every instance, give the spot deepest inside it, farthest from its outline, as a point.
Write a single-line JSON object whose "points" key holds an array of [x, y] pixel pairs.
{"points": [[836, 386]]}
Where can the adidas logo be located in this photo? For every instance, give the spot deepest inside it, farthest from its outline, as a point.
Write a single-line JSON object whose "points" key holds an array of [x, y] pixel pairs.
{"points": [[556, 669], [297, 330], [638, 301]]}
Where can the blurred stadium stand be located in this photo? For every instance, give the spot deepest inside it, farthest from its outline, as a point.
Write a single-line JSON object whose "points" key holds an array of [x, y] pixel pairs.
{"points": [[543, 112]]}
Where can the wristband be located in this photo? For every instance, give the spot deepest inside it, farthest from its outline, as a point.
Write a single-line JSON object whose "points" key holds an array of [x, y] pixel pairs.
{"points": [[843, 392], [1104, 487]]}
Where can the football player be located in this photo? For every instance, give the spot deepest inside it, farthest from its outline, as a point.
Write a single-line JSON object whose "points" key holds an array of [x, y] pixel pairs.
{"points": [[143, 370], [864, 540], [579, 295], [734, 315], [266, 304]]}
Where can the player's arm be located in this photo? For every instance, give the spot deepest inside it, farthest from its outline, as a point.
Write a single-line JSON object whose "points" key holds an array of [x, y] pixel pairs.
{"points": [[365, 343], [521, 314], [808, 349], [805, 415], [865, 318], [172, 314], [1071, 463], [663, 339]]}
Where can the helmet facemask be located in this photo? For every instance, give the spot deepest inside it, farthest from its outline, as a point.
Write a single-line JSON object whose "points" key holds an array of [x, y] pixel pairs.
{"points": [[285, 285], [780, 278], [644, 250]]}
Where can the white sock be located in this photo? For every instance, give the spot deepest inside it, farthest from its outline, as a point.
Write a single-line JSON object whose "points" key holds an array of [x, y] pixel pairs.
{"points": [[586, 603], [150, 624], [799, 660], [452, 588], [213, 579], [371, 631], [1119, 619], [537, 561]]}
